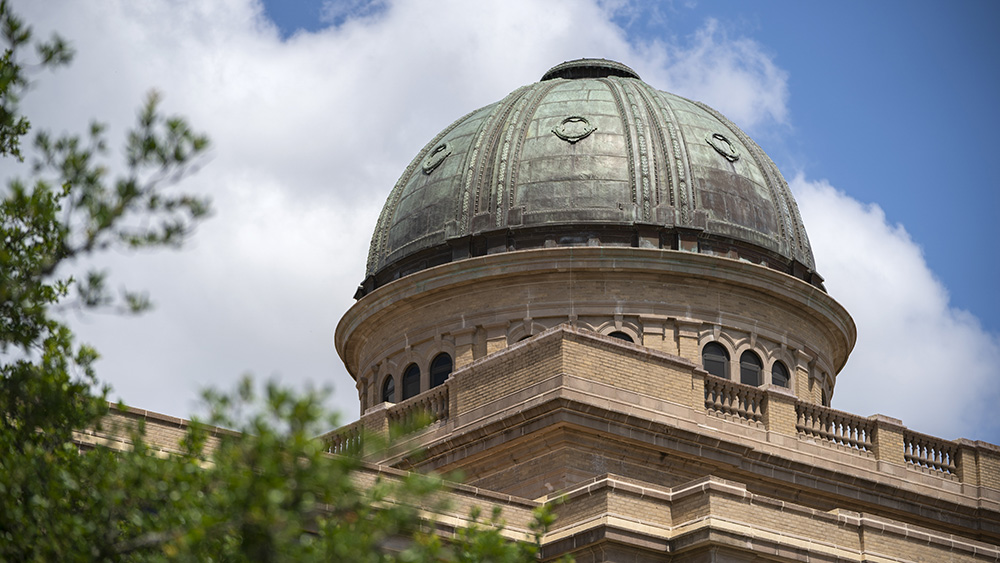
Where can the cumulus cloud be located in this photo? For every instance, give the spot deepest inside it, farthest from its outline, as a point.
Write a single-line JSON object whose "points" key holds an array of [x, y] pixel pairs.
{"points": [[733, 75], [917, 358], [310, 132]]}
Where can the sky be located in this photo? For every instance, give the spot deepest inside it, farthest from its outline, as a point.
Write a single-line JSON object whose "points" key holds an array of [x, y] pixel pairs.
{"points": [[880, 116]]}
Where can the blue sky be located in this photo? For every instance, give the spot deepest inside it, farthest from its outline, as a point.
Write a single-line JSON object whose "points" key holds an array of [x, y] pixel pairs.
{"points": [[879, 114], [893, 102]]}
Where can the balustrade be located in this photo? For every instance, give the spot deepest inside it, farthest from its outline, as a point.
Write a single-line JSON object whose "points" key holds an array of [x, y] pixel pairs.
{"points": [[433, 403], [346, 440], [726, 397], [930, 452], [834, 426]]}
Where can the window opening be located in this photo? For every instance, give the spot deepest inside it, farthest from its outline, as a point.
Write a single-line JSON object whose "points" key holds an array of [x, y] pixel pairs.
{"points": [[621, 336], [779, 375], [411, 381], [389, 390], [715, 360], [750, 368], [441, 368]]}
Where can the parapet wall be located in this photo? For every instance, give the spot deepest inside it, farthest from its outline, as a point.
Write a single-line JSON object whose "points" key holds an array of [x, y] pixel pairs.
{"points": [[658, 375]]}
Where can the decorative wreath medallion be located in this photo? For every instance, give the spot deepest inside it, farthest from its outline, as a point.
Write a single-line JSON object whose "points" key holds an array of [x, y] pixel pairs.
{"points": [[573, 128], [436, 157], [723, 146]]}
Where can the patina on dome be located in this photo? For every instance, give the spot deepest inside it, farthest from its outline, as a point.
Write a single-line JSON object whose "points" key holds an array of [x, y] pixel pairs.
{"points": [[589, 155]]}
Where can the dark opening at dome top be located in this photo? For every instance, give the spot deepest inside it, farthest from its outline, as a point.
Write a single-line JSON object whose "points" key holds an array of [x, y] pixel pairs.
{"points": [[589, 68]]}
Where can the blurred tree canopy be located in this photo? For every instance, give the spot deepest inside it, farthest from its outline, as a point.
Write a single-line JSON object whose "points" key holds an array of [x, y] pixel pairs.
{"points": [[267, 491]]}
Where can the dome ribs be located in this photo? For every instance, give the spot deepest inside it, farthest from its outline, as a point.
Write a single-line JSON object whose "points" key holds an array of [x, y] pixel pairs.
{"points": [[645, 181], [791, 233], [377, 249], [516, 131], [619, 96], [767, 167], [680, 195], [474, 164], [662, 170]]}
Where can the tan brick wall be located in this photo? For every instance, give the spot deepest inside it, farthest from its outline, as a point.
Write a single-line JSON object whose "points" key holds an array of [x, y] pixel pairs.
{"points": [[632, 371], [989, 465], [906, 544], [570, 457], [711, 516], [503, 375], [888, 441], [779, 412], [163, 433]]}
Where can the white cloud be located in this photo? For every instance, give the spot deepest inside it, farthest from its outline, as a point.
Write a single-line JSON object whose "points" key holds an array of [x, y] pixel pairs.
{"points": [[917, 358], [734, 76], [309, 135]]}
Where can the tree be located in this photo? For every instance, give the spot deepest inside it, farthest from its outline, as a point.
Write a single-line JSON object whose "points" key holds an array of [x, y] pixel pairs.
{"points": [[267, 491]]}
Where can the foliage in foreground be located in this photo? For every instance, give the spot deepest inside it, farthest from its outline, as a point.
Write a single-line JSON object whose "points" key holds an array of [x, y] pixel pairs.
{"points": [[265, 493]]}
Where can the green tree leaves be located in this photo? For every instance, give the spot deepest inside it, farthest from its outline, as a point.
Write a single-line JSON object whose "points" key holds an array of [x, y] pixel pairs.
{"points": [[265, 490]]}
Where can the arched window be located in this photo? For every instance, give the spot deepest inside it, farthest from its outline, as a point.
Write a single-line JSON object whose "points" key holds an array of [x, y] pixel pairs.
{"points": [[779, 374], [411, 381], [621, 336], [750, 368], [440, 369], [715, 359], [389, 390]]}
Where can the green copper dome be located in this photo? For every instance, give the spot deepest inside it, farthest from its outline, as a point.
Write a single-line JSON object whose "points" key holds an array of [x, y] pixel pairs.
{"points": [[590, 155]]}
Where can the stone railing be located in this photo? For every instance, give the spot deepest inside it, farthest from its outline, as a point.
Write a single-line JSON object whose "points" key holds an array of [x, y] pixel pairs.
{"points": [[877, 437], [345, 440], [930, 452], [834, 426], [433, 403], [728, 398]]}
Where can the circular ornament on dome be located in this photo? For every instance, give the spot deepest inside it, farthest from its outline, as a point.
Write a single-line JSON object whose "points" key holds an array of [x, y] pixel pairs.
{"points": [[573, 128], [436, 157], [723, 146]]}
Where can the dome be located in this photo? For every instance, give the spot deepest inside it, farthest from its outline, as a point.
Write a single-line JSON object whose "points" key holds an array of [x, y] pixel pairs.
{"points": [[590, 155]]}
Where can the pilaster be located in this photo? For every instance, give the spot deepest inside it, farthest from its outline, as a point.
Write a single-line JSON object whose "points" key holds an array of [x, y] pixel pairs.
{"points": [[800, 376], [887, 442], [496, 336], [658, 334], [464, 342], [779, 414], [687, 340]]}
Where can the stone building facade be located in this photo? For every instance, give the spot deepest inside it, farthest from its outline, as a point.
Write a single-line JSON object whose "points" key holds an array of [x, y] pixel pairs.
{"points": [[604, 293]]}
